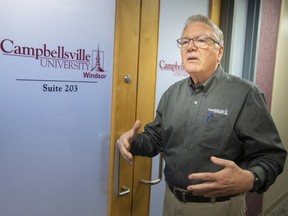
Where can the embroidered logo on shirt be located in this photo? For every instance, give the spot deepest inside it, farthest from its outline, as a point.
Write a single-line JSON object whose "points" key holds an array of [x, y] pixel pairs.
{"points": [[211, 113], [219, 111]]}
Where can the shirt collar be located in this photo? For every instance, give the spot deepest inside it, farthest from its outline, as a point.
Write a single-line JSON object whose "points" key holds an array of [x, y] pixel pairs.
{"points": [[208, 85]]}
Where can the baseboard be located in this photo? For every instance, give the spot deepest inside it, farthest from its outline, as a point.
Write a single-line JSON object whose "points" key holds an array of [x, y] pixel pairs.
{"points": [[274, 205]]}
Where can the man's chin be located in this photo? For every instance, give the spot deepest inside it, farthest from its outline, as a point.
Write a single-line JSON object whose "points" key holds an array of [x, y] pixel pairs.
{"points": [[191, 71]]}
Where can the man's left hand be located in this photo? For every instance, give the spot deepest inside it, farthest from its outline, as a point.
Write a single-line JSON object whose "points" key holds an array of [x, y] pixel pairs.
{"points": [[231, 180]]}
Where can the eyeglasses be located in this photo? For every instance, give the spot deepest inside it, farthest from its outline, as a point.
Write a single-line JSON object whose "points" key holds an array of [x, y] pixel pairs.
{"points": [[199, 42]]}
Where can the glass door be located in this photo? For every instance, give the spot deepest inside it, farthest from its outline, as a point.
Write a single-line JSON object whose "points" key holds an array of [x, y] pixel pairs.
{"points": [[55, 113]]}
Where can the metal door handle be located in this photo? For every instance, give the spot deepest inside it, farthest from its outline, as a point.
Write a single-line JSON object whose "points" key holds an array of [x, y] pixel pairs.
{"points": [[153, 182], [124, 189]]}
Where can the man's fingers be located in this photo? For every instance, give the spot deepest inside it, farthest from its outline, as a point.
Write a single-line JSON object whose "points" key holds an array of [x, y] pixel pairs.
{"points": [[135, 129], [129, 158], [124, 143], [202, 176], [124, 150], [213, 176], [220, 161]]}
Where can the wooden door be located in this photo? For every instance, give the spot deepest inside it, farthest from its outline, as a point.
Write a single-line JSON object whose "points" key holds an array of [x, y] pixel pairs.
{"points": [[136, 37]]}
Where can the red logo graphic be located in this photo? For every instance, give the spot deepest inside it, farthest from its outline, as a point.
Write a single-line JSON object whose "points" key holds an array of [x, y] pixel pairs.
{"points": [[177, 69], [97, 59], [59, 58], [97, 66]]}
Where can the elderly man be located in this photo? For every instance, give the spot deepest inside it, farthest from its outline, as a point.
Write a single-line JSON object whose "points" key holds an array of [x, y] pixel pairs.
{"points": [[216, 134]]}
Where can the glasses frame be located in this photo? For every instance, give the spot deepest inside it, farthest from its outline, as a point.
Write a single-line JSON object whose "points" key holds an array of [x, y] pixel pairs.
{"points": [[179, 44]]}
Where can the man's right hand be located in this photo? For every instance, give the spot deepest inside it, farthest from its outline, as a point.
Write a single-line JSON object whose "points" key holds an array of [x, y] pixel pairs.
{"points": [[125, 140]]}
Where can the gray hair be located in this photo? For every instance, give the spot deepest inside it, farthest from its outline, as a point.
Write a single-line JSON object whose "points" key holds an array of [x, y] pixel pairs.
{"points": [[206, 20]]}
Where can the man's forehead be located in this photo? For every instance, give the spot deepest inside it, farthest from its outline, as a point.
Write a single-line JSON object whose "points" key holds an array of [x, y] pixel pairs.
{"points": [[198, 28]]}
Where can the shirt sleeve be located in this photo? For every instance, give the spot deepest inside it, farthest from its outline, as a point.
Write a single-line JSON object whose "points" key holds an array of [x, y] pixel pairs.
{"points": [[149, 143], [264, 151]]}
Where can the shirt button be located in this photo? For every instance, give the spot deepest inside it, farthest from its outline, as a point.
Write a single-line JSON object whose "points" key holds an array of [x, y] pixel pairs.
{"points": [[189, 124], [195, 102]]}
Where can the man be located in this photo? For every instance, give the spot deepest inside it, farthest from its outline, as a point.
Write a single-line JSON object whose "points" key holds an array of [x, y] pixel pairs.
{"points": [[216, 134]]}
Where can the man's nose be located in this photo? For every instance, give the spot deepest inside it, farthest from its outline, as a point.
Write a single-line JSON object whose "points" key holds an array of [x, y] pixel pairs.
{"points": [[191, 45]]}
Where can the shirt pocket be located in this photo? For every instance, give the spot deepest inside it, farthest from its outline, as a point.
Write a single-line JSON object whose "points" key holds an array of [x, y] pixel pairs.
{"points": [[215, 133]]}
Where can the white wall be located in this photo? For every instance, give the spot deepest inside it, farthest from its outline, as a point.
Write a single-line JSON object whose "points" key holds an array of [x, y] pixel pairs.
{"points": [[280, 106]]}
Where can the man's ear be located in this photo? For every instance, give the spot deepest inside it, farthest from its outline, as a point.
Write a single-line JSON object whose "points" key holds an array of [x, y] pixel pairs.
{"points": [[220, 54]]}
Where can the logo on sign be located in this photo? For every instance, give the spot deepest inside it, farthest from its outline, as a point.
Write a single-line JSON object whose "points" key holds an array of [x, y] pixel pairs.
{"points": [[177, 69], [91, 64]]}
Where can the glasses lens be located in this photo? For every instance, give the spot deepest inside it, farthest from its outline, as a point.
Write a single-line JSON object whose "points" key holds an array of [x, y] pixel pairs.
{"points": [[179, 44], [201, 42], [183, 42]]}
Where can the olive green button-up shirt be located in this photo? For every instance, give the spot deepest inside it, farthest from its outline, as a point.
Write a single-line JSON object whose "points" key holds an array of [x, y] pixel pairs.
{"points": [[225, 117]]}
